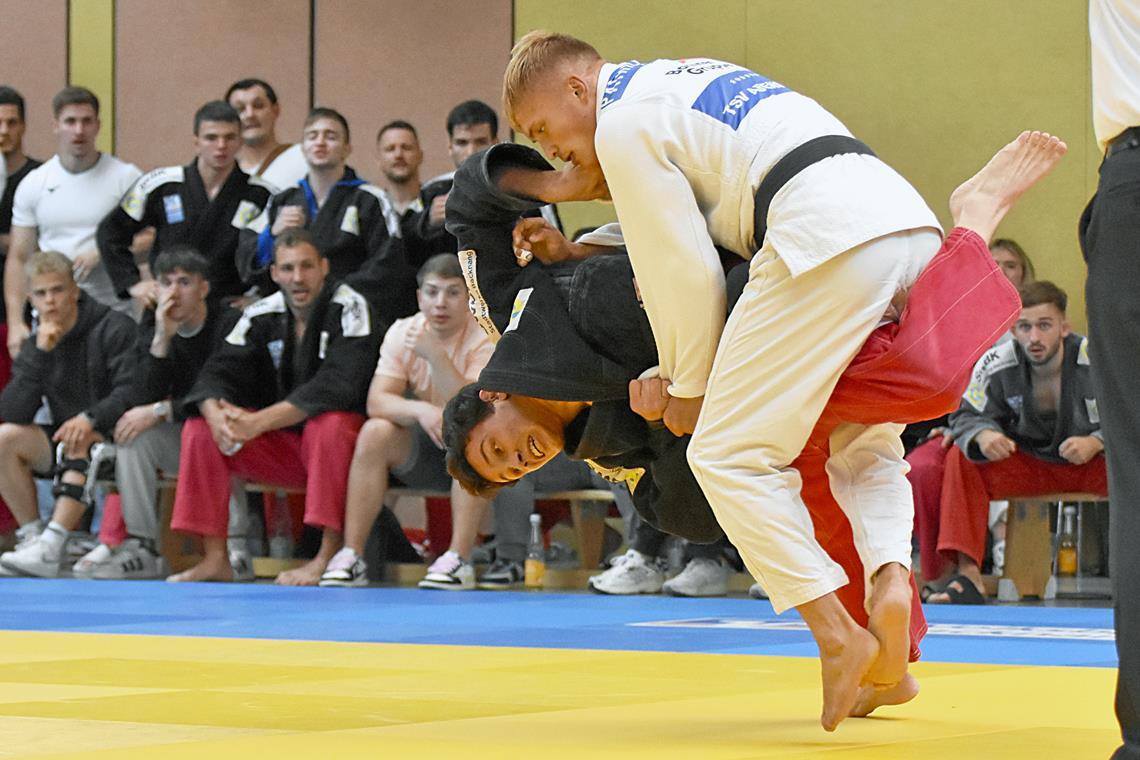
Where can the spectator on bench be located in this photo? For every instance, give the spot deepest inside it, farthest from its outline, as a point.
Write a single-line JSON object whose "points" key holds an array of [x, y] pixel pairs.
{"points": [[59, 205], [80, 358], [352, 222], [281, 401], [424, 360], [1028, 425], [398, 156], [204, 204], [176, 339], [280, 164], [472, 126]]}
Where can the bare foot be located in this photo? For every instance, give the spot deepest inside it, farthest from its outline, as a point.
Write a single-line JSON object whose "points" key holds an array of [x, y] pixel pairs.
{"points": [[209, 569], [983, 200], [308, 574], [871, 697], [844, 669], [889, 621]]}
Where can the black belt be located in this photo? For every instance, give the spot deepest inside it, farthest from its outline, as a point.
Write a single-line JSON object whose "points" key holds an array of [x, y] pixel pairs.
{"points": [[792, 164], [1126, 140]]}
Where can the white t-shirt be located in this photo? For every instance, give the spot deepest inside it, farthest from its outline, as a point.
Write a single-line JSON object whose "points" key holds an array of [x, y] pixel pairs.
{"points": [[684, 146], [66, 208], [287, 169], [1114, 29]]}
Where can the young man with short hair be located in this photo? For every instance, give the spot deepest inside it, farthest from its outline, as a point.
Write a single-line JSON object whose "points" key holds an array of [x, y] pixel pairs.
{"points": [[58, 206], [1028, 425], [177, 339], [352, 221], [81, 360], [281, 401], [424, 360], [262, 155], [204, 204]]}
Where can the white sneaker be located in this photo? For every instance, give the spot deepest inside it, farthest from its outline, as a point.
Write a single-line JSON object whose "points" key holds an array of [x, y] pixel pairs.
{"points": [[631, 573], [701, 577], [345, 570], [24, 535], [240, 560], [450, 573], [86, 565], [36, 558], [756, 591], [132, 561]]}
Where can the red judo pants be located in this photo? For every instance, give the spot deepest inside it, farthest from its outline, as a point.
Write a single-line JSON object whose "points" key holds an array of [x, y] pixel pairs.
{"points": [[907, 372], [317, 459], [952, 511]]}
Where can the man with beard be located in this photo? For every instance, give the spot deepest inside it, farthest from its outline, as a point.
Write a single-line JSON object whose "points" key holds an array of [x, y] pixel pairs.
{"points": [[1028, 425]]}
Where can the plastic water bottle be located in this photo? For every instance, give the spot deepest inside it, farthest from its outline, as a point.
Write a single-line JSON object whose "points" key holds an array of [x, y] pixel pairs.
{"points": [[281, 536], [535, 568], [1067, 545]]}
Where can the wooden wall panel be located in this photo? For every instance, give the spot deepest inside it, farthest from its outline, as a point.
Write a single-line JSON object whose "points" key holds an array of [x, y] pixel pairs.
{"points": [[173, 56], [34, 38], [379, 60]]}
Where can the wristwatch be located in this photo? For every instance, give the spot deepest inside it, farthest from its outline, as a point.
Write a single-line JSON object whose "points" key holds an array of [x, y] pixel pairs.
{"points": [[161, 410]]}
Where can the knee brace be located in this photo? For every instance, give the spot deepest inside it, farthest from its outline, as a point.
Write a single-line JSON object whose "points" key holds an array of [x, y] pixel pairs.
{"points": [[65, 465]]}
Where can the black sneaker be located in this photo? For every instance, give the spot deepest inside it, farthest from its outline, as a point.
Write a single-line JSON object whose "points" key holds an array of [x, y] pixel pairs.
{"points": [[504, 574]]}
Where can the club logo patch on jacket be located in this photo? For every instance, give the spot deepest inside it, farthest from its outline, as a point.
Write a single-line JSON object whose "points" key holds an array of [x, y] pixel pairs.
{"points": [[517, 309]]}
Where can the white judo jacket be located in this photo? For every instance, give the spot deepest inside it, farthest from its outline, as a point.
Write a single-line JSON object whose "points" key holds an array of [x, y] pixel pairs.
{"points": [[684, 145]]}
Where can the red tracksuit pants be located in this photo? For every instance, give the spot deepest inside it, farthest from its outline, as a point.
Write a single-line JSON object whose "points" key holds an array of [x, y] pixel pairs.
{"points": [[952, 496], [907, 372], [317, 459]]}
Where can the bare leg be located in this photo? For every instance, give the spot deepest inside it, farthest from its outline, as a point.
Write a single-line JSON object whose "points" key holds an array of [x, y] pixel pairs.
{"points": [[889, 621], [982, 201], [466, 514], [309, 574], [871, 697], [846, 653], [380, 446], [215, 565], [23, 449]]}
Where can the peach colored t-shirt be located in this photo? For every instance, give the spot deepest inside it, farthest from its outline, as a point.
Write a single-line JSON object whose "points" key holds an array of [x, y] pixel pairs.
{"points": [[469, 350]]}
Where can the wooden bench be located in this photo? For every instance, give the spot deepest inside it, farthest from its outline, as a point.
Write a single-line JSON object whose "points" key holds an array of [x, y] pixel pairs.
{"points": [[1030, 545], [588, 521]]}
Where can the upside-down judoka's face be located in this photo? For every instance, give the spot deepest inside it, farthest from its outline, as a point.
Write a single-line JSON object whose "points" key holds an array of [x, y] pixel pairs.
{"points": [[520, 435], [557, 112]]}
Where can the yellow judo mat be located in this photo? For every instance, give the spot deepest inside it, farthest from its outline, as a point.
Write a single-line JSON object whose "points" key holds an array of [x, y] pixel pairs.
{"points": [[82, 695]]}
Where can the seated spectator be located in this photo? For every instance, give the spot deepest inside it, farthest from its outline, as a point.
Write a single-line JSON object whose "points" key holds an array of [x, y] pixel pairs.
{"points": [[471, 127], [424, 360], [352, 222], [279, 164], [80, 359], [281, 401], [1027, 425], [58, 206], [176, 338], [398, 156], [1014, 261], [204, 205]]}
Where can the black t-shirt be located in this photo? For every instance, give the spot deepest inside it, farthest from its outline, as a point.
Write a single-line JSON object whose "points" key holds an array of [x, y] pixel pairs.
{"points": [[14, 179]]}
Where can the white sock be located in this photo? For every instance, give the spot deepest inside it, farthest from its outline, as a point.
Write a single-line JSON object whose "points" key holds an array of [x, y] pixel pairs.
{"points": [[53, 537]]}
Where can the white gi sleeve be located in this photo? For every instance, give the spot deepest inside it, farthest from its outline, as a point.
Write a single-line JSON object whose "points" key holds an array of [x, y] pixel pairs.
{"points": [[677, 267]]}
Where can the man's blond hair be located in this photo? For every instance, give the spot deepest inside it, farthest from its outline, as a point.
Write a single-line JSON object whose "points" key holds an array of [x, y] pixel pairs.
{"points": [[48, 262], [536, 54]]}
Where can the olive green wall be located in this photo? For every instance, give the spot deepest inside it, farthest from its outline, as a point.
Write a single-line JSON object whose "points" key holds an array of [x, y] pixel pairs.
{"points": [[934, 86]]}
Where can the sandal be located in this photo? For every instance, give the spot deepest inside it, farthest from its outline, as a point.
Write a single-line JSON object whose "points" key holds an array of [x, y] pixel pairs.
{"points": [[960, 590]]}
